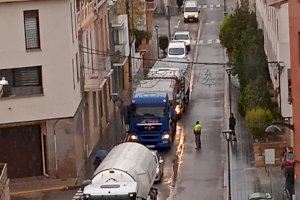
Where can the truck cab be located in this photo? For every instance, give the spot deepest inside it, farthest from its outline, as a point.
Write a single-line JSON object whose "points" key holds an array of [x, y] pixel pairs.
{"points": [[152, 121]]}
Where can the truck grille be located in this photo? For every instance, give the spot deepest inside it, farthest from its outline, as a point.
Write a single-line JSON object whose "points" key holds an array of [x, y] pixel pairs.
{"points": [[150, 137]]}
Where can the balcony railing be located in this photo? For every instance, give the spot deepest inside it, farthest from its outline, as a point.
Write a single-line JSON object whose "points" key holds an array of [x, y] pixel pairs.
{"points": [[86, 13], [95, 76]]}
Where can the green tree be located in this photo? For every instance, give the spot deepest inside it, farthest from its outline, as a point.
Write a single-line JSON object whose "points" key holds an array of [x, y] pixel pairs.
{"points": [[257, 120], [139, 36], [163, 42], [255, 95]]}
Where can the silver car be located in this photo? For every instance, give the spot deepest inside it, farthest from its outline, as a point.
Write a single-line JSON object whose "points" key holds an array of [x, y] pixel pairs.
{"points": [[159, 165]]}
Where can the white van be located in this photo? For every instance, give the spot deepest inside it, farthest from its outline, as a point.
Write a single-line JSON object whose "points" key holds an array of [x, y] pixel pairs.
{"points": [[177, 49], [184, 36], [191, 11]]}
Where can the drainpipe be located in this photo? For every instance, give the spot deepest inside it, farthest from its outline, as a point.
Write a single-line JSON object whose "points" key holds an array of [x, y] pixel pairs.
{"points": [[55, 145]]}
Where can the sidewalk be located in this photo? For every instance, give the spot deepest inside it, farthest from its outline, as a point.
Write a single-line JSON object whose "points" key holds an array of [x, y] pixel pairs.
{"points": [[22, 187], [245, 177]]}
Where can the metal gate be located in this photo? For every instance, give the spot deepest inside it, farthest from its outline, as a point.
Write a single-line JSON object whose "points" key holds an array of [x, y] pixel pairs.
{"points": [[20, 147]]}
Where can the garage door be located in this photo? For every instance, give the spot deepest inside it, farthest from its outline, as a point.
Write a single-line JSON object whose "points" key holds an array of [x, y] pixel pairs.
{"points": [[20, 147]]}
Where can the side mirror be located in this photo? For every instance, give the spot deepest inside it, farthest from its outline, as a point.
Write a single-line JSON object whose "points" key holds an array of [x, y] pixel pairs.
{"points": [[182, 11], [198, 11], [85, 183]]}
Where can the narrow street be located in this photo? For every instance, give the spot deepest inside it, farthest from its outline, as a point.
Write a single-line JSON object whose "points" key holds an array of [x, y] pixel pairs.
{"points": [[200, 173]]}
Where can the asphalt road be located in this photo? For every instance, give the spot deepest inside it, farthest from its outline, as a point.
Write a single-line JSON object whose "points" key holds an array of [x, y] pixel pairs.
{"points": [[200, 173]]}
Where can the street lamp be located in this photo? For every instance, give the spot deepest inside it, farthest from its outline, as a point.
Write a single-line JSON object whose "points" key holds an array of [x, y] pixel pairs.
{"points": [[280, 66], [229, 71], [227, 134], [157, 42]]}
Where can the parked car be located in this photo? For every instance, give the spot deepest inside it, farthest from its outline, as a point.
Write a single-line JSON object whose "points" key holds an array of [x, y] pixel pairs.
{"points": [[185, 37], [160, 165], [191, 11], [288, 161], [260, 196], [177, 49]]}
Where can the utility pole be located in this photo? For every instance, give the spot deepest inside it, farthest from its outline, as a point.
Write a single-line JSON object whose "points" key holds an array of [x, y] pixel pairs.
{"points": [[279, 69], [169, 20], [130, 31]]}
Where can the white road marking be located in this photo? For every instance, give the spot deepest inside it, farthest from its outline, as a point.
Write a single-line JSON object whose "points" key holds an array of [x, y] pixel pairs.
{"points": [[211, 6], [209, 41], [218, 41], [200, 7], [177, 26], [218, 5], [201, 41], [204, 6]]}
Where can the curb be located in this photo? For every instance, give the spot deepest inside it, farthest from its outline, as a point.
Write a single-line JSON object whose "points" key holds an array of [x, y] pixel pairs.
{"points": [[51, 189], [195, 56]]}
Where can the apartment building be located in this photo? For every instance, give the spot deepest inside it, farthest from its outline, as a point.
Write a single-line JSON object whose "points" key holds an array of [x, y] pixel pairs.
{"points": [[273, 19], [95, 56], [40, 107], [119, 45], [294, 29]]}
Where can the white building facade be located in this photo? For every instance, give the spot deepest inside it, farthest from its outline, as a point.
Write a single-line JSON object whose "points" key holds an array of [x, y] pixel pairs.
{"points": [[272, 17], [41, 129]]}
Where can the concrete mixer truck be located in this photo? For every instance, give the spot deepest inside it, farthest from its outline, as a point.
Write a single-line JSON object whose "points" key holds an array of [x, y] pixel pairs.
{"points": [[127, 173]]}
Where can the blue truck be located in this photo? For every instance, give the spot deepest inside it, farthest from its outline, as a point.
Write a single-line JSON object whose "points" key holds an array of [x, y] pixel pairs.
{"points": [[151, 120]]}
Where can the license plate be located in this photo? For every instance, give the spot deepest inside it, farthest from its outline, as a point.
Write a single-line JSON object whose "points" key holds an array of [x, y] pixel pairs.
{"points": [[150, 146]]}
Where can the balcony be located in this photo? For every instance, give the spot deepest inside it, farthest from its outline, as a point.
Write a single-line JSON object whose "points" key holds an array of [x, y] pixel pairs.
{"points": [[86, 14], [94, 77], [275, 3], [26, 81]]}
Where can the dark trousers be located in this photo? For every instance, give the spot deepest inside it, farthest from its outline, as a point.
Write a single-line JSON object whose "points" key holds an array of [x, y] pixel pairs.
{"points": [[198, 140]]}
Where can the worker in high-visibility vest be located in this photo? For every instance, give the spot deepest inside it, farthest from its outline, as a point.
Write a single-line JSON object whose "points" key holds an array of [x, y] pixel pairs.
{"points": [[197, 132]]}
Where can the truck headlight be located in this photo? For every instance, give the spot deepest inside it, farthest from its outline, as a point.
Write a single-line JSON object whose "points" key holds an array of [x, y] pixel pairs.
{"points": [[186, 16], [87, 196], [165, 136], [196, 16], [132, 195], [133, 137]]}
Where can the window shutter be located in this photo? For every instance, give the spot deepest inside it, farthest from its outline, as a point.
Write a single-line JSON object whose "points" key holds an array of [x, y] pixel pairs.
{"points": [[31, 29], [28, 76]]}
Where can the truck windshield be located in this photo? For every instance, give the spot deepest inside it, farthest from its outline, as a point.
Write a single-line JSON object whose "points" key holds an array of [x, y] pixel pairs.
{"points": [[150, 111]]}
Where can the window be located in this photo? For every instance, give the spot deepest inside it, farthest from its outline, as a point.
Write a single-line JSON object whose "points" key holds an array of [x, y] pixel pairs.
{"points": [[24, 81], [77, 67], [32, 30], [100, 105], [73, 73], [72, 29], [116, 37], [94, 108]]}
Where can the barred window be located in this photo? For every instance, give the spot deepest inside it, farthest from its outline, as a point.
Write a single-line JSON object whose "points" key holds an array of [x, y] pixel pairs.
{"points": [[31, 26]]}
